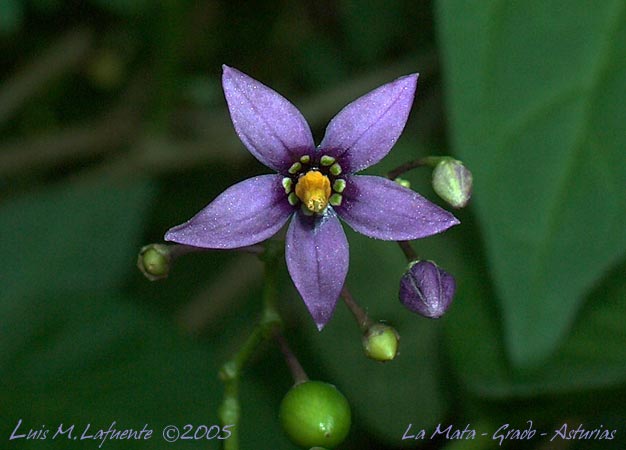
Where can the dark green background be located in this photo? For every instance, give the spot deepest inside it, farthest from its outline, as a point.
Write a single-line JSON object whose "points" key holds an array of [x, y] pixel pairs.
{"points": [[114, 128]]}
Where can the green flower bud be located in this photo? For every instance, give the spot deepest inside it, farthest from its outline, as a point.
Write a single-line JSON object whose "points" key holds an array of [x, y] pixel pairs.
{"points": [[315, 414], [452, 181], [154, 261], [380, 342]]}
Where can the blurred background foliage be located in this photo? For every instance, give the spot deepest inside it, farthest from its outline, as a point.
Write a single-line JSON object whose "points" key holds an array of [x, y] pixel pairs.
{"points": [[114, 128]]}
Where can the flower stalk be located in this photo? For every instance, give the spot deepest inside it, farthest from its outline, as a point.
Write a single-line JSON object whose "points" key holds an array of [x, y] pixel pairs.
{"points": [[379, 341], [296, 369], [427, 161], [361, 317], [155, 261], [408, 250]]}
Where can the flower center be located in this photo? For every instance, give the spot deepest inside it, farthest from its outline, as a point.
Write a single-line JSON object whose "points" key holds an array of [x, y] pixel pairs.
{"points": [[317, 184], [313, 190]]}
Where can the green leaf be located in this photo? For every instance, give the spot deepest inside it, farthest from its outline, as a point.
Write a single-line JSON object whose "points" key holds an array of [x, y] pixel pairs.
{"points": [[80, 236], [536, 95], [592, 357], [385, 397]]}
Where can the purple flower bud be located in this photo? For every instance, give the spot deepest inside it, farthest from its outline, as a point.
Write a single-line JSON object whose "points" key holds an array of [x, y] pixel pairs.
{"points": [[452, 181], [426, 289]]}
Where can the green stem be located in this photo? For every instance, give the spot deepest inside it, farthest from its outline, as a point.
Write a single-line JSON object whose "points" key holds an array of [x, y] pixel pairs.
{"points": [[361, 317], [408, 251], [297, 372], [229, 411], [429, 161]]}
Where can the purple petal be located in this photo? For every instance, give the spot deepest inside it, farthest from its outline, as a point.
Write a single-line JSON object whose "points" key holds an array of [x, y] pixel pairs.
{"points": [[364, 131], [244, 214], [270, 127], [317, 258], [382, 209]]}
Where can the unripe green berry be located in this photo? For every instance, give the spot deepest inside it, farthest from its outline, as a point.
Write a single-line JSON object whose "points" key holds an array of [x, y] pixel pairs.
{"points": [[315, 414]]}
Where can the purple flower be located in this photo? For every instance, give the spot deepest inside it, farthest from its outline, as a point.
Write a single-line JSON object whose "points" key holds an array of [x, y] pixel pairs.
{"points": [[314, 186], [426, 289]]}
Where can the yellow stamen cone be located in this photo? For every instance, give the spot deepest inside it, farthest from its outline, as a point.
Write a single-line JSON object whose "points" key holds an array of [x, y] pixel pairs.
{"points": [[313, 189]]}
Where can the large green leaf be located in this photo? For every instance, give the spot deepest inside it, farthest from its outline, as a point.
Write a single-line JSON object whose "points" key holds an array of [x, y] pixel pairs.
{"points": [[592, 357], [536, 95]]}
